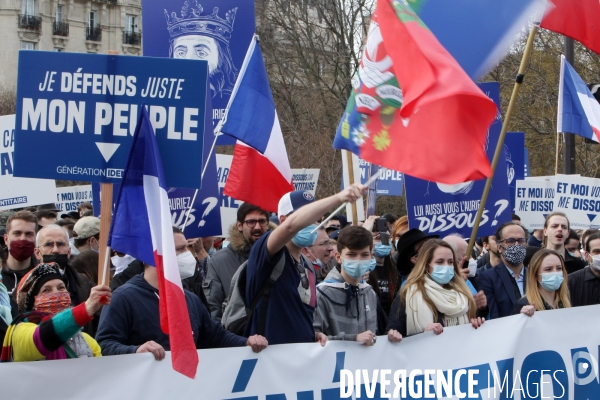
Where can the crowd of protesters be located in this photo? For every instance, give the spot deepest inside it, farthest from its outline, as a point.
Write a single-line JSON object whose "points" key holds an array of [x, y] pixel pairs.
{"points": [[277, 279]]}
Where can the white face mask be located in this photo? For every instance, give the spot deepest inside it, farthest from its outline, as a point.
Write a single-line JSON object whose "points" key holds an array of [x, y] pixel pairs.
{"points": [[596, 263], [121, 263], [187, 265]]}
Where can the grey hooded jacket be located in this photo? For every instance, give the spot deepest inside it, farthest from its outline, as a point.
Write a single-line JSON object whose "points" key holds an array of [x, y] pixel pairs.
{"points": [[220, 269], [344, 312], [222, 266]]}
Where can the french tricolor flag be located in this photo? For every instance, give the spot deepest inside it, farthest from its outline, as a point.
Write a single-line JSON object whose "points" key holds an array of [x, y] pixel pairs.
{"points": [[142, 227], [578, 109], [260, 171]]}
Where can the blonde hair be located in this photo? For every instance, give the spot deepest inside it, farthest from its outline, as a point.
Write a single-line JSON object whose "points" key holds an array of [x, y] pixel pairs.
{"points": [[400, 225], [417, 277], [533, 291]]}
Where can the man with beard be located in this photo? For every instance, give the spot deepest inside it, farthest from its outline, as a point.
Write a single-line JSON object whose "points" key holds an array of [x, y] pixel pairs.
{"points": [[20, 243], [194, 36], [252, 223], [506, 283], [493, 257]]}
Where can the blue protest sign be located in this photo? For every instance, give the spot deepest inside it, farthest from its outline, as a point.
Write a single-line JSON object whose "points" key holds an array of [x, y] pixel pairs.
{"points": [[80, 110], [389, 182], [205, 216], [514, 146], [444, 209], [218, 31]]}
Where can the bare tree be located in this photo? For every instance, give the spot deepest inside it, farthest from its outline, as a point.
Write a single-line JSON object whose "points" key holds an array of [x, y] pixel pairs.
{"points": [[311, 50], [537, 104], [8, 101]]}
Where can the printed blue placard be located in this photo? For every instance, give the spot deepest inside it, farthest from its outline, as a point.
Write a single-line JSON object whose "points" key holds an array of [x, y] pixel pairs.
{"points": [[205, 215], [441, 209], [514, 148], [76, 115], [218, 31]]}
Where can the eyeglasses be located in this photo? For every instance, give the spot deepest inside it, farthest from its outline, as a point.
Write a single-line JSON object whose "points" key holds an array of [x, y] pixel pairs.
{"points": [[252, 222], [50, 245], [511, 241]]}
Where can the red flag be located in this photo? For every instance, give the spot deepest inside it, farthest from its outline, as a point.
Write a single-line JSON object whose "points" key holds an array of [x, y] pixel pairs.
{"points": [[577, 19], [439, 133]]}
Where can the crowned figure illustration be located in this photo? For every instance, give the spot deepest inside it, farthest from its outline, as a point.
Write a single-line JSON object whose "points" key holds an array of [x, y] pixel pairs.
{"points": [[198, 36]]}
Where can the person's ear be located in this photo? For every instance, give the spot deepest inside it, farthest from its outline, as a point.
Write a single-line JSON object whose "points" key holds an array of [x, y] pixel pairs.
{"points": [[239, 225], [338, 258]]}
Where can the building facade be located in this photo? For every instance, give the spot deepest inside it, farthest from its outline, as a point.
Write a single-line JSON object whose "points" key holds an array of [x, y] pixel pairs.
{"points": [[100, 26]]}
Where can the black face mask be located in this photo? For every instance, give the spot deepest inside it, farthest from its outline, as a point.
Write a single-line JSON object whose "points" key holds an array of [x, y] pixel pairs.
{"points": [[61, 259]]}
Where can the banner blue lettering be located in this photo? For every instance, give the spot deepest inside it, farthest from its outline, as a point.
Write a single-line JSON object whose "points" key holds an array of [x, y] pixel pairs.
{"points": [[83, 109], [444, 209]]}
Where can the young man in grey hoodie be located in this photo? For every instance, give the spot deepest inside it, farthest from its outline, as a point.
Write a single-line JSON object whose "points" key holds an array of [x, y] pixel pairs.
{"points": [[346, 308]]}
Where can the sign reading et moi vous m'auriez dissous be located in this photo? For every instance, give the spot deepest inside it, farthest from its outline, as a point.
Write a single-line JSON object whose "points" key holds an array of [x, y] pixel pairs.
{"points": [[76, 115]]}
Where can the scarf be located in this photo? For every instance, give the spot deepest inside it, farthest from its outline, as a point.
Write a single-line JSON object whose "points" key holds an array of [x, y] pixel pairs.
{"points": [[452, 304]]}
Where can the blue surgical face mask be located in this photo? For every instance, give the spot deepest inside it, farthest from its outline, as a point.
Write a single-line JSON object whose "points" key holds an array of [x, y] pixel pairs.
{"points": [[373, 264], [382, 250], [551, 281], [442, 274], [305, 238], [356, 268], [211, 251]]}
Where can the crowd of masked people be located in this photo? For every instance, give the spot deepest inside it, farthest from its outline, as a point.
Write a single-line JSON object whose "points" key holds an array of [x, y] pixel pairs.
{"points": [[280, 278]]}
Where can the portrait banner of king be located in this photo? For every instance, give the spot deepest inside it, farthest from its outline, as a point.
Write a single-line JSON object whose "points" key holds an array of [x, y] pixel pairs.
{"points": [[218, 31]]}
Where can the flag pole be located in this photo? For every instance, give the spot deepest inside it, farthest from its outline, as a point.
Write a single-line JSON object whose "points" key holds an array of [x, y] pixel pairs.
{"points": [[212, 148], [557, 150], [351, 182], [340, 208], [106, 198], [217, 131], [509, 111]]}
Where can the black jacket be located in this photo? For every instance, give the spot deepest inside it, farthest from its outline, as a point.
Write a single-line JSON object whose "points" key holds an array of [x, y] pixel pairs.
{"points": [[584, 288], [12, 278]]}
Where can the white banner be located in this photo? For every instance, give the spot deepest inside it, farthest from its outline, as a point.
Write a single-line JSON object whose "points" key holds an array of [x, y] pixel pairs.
{"points": [[534, 200], [302, 179], [19, 192], [579, 198], [552, 355], [68, 198]]}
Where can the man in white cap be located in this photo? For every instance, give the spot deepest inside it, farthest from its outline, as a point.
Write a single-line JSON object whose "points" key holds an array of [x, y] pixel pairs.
{"points": [[285, 313], [87, 231]]}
